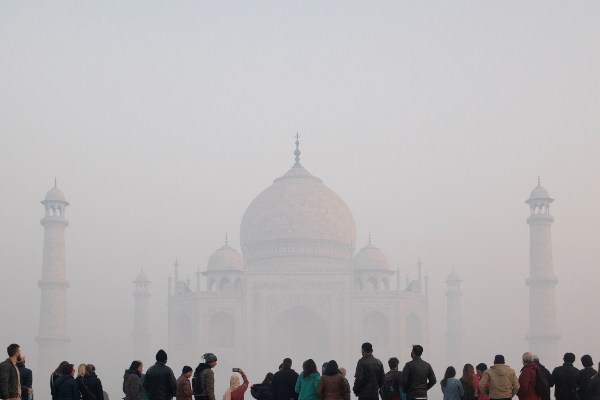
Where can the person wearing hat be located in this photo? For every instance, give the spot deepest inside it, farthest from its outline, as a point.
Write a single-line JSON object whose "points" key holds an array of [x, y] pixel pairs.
{"points": [[203, 384], [184, 387], [417, 376], [565, 379], [369, 375], [160, 383], [499, 381]]}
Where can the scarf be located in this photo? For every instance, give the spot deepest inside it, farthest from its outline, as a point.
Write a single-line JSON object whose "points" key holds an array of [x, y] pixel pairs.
{"points": [[234, 383]]}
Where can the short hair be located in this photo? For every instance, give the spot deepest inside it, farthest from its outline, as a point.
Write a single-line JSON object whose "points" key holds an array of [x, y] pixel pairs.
{"points": [[417, 349], [536, 358], [287, 363], [367, 347], [12, 349], [569, 357], [528, 357], [481, 367], [586, 361], [393, 362]]}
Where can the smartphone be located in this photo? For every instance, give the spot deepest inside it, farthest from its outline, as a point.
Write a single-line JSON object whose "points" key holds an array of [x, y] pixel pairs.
{"points": [[235, 370]]}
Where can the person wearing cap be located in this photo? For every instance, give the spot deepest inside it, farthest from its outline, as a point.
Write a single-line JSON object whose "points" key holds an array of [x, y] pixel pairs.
{"points": [[565, 379], [585, 375], [184, 388], [160, 383], [203, 383], [417, 376], [499, 381], [527, 379], [283, 385], [369, 375]]}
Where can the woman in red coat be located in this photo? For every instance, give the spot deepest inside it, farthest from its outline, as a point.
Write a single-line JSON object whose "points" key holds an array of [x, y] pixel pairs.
{"points": [[235, 391]]}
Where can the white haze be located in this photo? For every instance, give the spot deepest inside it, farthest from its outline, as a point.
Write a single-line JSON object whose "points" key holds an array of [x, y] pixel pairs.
{"points": [[432, 120]]}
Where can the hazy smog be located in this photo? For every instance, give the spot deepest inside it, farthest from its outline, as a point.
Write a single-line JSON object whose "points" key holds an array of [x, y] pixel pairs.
{"points": [[429, 124]]}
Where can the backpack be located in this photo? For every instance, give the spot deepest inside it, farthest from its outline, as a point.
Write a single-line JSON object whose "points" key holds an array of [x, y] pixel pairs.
{"points": [[196, 389], [390, 386], [542, 384]]}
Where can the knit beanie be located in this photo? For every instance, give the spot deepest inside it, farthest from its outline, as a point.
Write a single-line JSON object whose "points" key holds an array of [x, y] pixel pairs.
{"points": [[209, 357], [161, 356]]}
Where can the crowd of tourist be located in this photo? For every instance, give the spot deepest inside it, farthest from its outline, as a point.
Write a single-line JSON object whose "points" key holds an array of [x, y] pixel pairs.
{"points": [[371, 382]]}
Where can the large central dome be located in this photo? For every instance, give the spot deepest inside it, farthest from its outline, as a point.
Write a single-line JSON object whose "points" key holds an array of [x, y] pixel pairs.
{"points": [[298, 220]]}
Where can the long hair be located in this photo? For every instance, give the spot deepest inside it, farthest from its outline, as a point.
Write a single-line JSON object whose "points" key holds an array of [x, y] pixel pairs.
{"points": [[81, 370], [467, 376], [450, 373], [268, 378], [134, 367], [332, 368], [308, 367], [90, 369], [58, 370]]}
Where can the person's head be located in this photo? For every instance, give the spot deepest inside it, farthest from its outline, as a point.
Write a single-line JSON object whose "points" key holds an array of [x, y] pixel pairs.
{"points": [[161, 356], [280, 366], [234, 382], [343, 371], [136, 366], [527, 358], [481, 367], [586, 361], [417, 350], [468, 373], [323, 368], [90, 369], [187, 371], [393, 363], [67, 369], [81, 370], [569, 358], [366, 348], [308, 367], [536, 358], [14, 351], [498, 359], [331, 368], [450, 373], [210, 359], [58, 370], [268, 378], [287, 363]]}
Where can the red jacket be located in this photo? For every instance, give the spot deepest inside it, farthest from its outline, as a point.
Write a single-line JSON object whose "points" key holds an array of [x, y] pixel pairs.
{"points": [[480, 395], [238, 394], [527, 383]]}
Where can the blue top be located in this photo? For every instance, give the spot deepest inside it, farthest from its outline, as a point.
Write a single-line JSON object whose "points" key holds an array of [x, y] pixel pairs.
{"points": [[453, 389]]}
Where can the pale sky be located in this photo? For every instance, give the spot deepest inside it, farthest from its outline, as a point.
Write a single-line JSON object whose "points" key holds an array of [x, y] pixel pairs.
{"points": [[432, 120]]}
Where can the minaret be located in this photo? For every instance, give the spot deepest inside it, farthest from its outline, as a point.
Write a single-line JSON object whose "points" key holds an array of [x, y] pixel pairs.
{"points": [[53, 340], [141, 318], [454, 330], [543, 337]]}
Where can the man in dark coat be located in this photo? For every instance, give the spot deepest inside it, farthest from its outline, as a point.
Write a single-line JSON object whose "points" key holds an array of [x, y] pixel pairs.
{"points": [[283, 385], [10, 382], [417, 376], [160, 383], [585, 375], [369, 375], [26, 379], [565, 379]]}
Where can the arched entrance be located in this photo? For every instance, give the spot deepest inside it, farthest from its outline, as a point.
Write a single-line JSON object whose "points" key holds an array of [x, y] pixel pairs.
{"points": [[300, 333]]}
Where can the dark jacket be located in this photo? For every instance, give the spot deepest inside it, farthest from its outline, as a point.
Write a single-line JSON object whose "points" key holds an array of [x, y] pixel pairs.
{"points": [[91, 388], [261, 391], [527, 382], [593, 389], [132, 386], [160, 383], [368, 378], [26, 379], [565, 381], [65, 388], [333, 387], [283, 385], [9, 380], [549, 379], [583, 380], [417, 378]]}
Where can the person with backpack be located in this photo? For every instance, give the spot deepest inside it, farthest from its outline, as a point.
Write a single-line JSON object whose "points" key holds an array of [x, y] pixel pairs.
{"points": [[203, 383], [527, 379], [543, 380], [391, 389]]}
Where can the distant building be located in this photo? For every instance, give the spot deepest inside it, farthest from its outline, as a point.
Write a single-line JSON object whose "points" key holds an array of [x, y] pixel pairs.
{"points": [[454, 325], [298, 289], [141, 318], [543, 337]]}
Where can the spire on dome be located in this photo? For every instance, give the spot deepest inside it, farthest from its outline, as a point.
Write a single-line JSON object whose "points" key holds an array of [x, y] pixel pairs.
{"points": [[226, 238], [369, 237], [297, 152], [55, 183]]}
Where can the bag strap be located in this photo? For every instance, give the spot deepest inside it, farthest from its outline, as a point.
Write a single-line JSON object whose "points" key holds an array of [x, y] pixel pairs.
{"points": [[88, 390]]}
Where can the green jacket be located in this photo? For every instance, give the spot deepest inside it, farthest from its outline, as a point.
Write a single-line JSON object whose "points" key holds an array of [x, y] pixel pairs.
{"points": [[306, 387]]}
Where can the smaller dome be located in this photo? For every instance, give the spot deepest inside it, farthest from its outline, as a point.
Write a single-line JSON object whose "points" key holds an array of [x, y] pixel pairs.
{"points": [[225, 258], [453, 277], [539, 192], [370, 257], [142, 277], [55, 194]]}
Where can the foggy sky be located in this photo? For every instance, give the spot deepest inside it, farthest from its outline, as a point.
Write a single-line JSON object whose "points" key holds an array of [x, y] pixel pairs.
{"points": [[432, 120]]}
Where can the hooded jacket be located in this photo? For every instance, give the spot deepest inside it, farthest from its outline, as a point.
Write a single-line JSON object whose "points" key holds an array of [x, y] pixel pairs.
{"points": [[132, 385], [306, 386], [499, 381], [527, 382]]}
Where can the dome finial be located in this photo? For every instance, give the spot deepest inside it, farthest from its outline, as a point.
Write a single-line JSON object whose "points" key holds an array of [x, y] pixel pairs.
{"points": [[54, 182], [369, 237], [297, 152], [226, 238], [539, 182]]}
